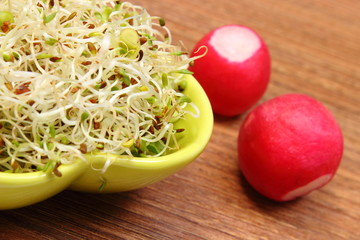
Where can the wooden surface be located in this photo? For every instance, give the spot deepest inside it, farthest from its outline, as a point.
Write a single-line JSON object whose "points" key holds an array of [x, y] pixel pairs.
{"points": [[315, 48]]}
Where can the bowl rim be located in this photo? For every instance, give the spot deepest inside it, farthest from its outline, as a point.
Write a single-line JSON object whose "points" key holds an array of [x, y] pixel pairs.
{"points": [[23, 179]]}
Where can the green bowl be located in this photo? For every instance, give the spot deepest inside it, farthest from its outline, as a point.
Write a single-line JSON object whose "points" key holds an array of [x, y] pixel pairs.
{"points": [[124, 173], [23, 189]]}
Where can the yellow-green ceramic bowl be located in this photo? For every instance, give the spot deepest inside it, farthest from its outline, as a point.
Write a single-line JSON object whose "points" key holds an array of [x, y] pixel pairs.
{"points": [[124, 173], [23, 189]]}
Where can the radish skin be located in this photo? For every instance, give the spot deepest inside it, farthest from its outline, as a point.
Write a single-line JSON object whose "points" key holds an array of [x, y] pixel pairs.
{"points": [[235, 71], [289, 146]]}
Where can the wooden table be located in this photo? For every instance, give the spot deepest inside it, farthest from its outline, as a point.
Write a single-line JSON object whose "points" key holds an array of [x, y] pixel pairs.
{"points": [[315, 48]]}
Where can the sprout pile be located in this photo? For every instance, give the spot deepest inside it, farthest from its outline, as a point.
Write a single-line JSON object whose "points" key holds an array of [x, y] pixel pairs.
{"points": [[81, 76]]}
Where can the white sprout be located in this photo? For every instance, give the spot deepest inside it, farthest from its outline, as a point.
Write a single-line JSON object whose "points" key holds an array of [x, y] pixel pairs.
{"points": [[79, 76]]}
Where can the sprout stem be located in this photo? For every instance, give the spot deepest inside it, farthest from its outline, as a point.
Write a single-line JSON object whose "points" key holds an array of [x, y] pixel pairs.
{"points": [[79, 76]]}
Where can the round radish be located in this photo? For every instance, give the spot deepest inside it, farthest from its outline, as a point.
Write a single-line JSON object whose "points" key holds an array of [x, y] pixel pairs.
{"points": [[236, 69], [289, 146]]}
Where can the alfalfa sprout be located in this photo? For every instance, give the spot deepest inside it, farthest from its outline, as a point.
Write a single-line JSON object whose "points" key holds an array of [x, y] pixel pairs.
{"points": [[81, 76]]}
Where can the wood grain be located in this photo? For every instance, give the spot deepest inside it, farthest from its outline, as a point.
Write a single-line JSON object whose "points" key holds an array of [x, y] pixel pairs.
{"points": [[315, 50]]}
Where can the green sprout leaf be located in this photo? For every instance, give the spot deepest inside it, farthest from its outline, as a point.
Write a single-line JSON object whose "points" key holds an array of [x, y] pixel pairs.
{"points": [[51, 41], [7, 57], [128, 144], [164, 79], [184, 99], [52, 131], [6, 18], [103, 184], [64, 140], [84, 116], [162, 22], [49, 166], [182, 85], [15, 143], [44, 56], [106, 13], [49, 18], [98, 16], [151, 99], [129, 41], [184, 71], [155, 147]]}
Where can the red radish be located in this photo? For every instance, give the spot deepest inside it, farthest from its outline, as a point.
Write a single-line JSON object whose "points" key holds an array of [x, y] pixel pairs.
{"points": [[289, 146], [236, 69]]}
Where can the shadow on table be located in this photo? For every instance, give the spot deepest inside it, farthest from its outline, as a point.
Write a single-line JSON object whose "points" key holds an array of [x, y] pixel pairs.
{"points": [[68, 215], [264, 203]]}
